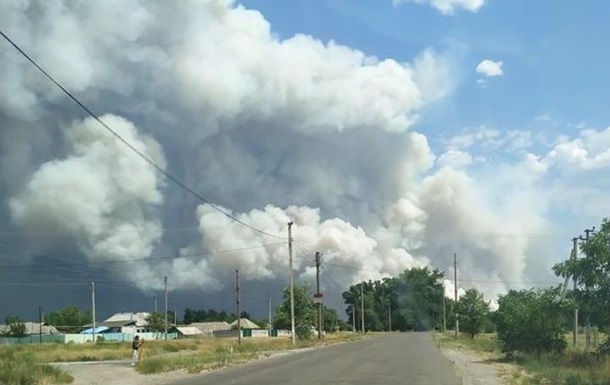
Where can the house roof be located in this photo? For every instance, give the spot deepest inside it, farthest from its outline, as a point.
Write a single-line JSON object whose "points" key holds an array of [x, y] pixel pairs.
{"points": [[98, 329], [245, 324], [189, 331], [208, 327], [32, 328], [139, 318], [113, 324]]}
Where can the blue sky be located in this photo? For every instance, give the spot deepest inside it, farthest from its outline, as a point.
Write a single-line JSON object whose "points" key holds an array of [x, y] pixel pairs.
{"points": [[553, 54]]}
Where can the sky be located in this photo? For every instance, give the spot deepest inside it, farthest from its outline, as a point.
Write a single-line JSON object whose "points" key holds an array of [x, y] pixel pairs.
{"points": [[392, 133]]}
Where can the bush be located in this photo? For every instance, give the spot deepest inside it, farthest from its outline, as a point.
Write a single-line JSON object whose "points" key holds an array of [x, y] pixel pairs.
{"points": [[530, 321], [18, 367]]}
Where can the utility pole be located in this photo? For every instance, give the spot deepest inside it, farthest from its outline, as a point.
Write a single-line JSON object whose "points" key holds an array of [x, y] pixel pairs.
{"points": [[362, 305], [353, 318], [318, 294], [93, 306], [270, 326], [390, 315], [165, 282], [444, 311], [588, 321], [175, 317], [238, 303], [455, 297], [575, 254], [155, 303], [40, 327], [292, 327]]}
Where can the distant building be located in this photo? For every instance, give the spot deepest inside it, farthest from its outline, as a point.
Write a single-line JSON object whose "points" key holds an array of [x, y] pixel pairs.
{"points": [[245, 324], [120, 323], [187, 331], [32, 328], [208, 328]]}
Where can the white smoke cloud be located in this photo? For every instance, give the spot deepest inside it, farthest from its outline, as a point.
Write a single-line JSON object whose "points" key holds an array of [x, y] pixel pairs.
{"points": [[100, 195], [309, 131]]}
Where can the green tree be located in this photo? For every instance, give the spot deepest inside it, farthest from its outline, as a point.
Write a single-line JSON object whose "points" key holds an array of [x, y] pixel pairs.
{"points": [[156, 322], [473, 312], [69, 319], [16, 326], [304, 312], [530, 321]]}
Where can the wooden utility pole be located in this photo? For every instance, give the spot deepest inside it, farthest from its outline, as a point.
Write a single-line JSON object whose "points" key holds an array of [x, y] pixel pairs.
{"points": [[575, 256], [270, 323], [292, 326], [455, 296], [588, 321], [238, 303], [166, 304], [318, 295], [93, 306], [444, 311], [362, 304]]}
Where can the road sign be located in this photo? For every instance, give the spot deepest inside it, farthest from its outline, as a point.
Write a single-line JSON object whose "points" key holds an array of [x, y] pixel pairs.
{"points": [[317, 298]]}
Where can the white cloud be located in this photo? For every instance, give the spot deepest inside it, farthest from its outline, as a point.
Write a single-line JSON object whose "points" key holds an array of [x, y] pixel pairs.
{"points": [[455, 159], [448, 7], [490, 68], [589, 151]]}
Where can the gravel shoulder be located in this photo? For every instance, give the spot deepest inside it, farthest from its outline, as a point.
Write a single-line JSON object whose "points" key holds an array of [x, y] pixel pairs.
{"points": [[480, 369]]}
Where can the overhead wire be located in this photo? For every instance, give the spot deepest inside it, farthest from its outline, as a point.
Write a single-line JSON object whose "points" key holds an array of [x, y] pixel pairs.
{"points": [[131, 147]]}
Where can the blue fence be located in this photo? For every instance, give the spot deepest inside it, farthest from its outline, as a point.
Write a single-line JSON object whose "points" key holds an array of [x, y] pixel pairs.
{"points": [[82, 338]]}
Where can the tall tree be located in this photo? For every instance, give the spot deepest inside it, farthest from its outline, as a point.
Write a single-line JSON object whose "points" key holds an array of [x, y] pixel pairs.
{"points": [[16, 326], [304, 312], [529, 321], [156, 322], [473, 311]]}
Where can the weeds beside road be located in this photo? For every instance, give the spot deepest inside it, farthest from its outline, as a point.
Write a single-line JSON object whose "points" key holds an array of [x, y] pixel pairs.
{"points": [[574, 367], [29, 364]]}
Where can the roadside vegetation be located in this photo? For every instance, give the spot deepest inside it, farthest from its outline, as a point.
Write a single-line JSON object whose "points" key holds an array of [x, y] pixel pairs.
{"points": [[18, 366], [30, 364], [533, 327]]}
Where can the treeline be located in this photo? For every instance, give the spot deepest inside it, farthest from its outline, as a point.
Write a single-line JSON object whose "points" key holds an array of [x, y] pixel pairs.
{"points": [[411, 301], [213, 315]]}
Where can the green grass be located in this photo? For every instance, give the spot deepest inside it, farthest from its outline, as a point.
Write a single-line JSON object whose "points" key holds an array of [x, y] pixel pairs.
{"points": [[20, 367], [574, 367]]}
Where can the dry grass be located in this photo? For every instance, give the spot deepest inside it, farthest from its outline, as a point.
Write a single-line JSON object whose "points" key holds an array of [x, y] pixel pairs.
{"points": [[194, 355], [18, 366], [574, 367]]}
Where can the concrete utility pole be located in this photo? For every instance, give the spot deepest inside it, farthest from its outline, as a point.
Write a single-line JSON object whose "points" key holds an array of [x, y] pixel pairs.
{"points": [[455, 297], [155, 304], [575, 256], [390, 315], [353, 318], [93, 306], [238, 303], [292, 327], [444, 311], [40, 327], [588, 321], [362, 305], [165, 282], [318, 295], [270, 323]]}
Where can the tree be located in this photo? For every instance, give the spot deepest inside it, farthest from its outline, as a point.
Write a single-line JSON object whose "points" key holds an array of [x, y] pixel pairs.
{"points": [[473, 311], [592, 295], [530, 321], [16, 326], [69, 319], [304, 312], [156, 322]]}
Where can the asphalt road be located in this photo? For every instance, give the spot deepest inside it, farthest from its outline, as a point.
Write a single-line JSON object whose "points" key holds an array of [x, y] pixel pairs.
{"points": [[399, 358]]}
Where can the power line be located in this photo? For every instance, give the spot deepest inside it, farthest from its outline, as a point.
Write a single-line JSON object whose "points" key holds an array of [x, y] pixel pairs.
{"points": [[143, 156]]}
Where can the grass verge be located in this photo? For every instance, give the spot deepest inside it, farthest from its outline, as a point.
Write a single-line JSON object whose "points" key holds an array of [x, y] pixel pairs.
{"points": [[574, 367], [20, 367], [221, 353]]}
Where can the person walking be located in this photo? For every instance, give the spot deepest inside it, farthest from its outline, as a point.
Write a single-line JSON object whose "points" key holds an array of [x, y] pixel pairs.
{"points": [[135, 347]]}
